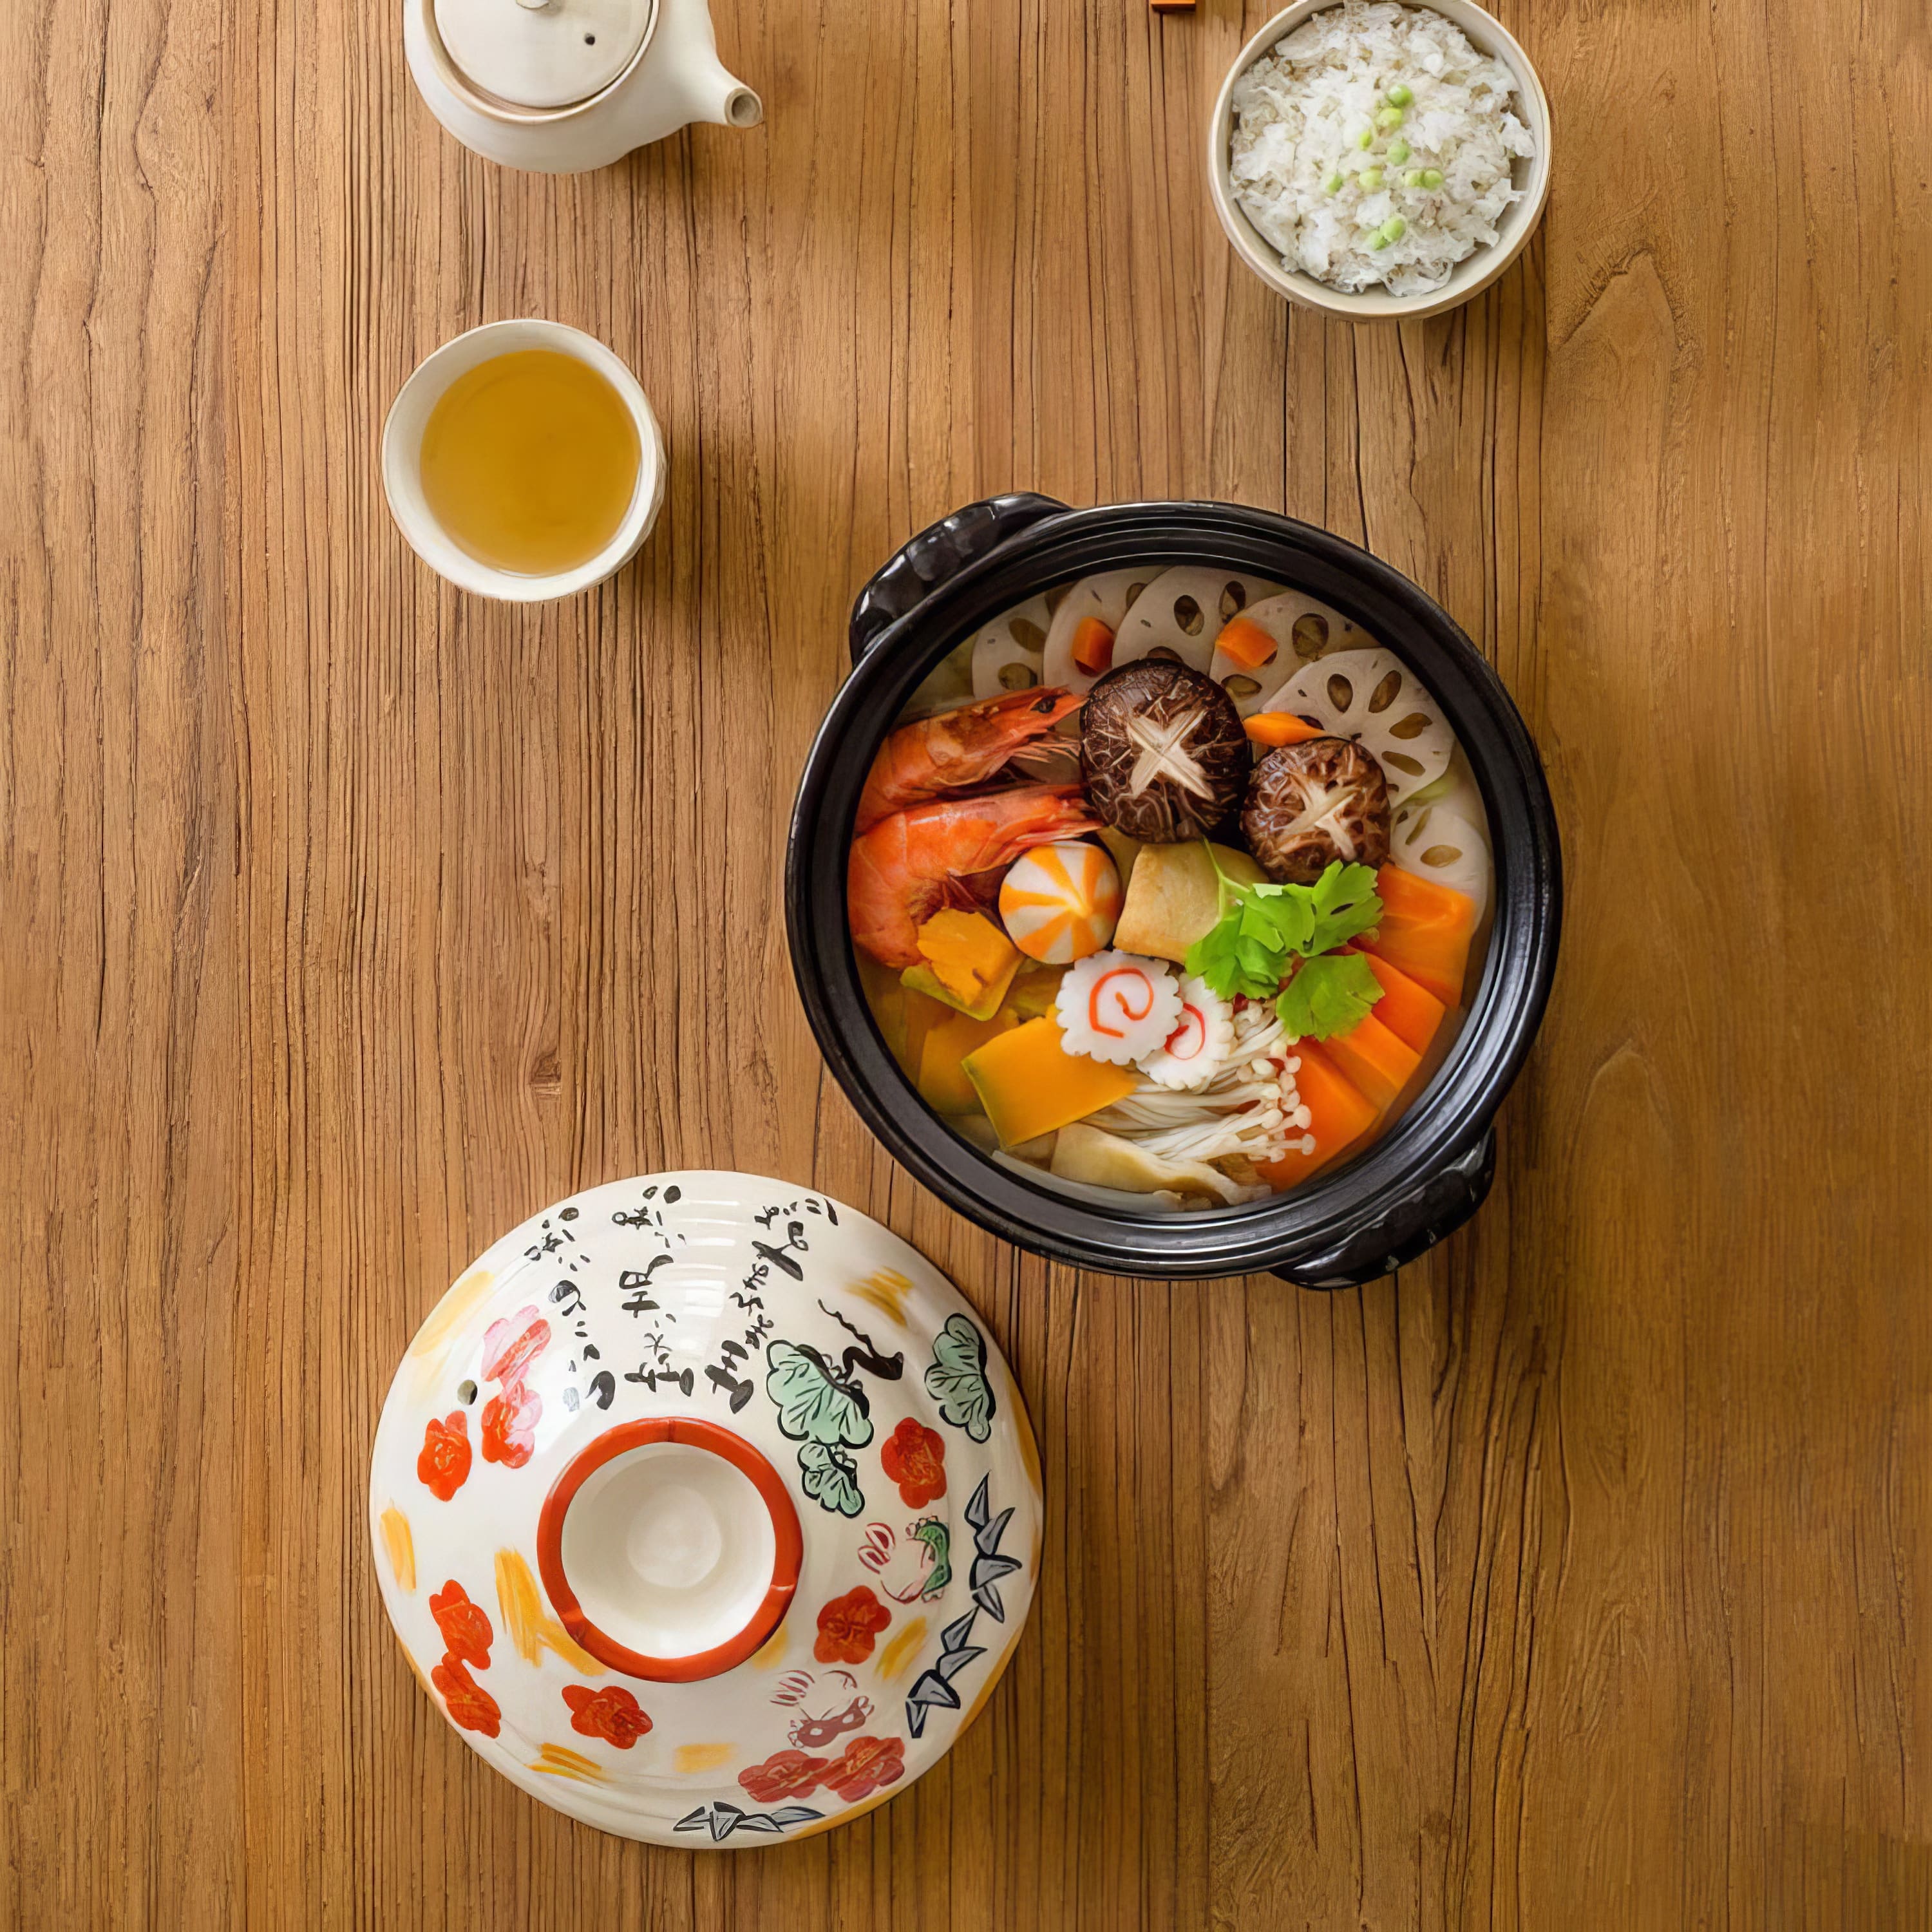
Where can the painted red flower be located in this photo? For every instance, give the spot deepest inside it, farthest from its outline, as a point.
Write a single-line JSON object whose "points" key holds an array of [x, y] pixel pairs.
{"points": [[465, 1626], [443, 1466], [510, 1426], [869, 1765], [786, 1773], [847, 1626], [468, 1703], [914, 1457], [611, 1714], [509, 1349]]}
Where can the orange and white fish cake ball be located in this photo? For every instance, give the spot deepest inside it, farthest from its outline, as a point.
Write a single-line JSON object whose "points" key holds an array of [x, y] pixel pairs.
{"points": [[1060, 903]]}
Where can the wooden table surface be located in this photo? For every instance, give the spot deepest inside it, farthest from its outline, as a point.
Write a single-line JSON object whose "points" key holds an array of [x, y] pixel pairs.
{"points": [[1578, 1575]]}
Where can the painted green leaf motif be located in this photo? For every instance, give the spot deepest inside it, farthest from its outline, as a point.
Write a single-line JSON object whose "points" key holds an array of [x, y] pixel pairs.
{"points": [[956, 1379], [831, 1478], [938, 1539], [812, 1407]]}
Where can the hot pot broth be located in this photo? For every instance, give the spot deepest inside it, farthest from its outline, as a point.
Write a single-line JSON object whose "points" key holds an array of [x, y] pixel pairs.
{"points": [[1168, 888]]}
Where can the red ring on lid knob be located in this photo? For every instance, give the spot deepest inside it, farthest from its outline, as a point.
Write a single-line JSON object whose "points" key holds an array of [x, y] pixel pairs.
{"points": [[788, 1554]]}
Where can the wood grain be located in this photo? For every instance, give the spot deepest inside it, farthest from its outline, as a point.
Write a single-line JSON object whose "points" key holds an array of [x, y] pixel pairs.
{"points": [[1574, 1576]]}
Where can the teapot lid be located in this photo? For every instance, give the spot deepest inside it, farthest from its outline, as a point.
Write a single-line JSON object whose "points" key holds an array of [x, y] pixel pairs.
{"points": [[542, 54], [706, 1509]]}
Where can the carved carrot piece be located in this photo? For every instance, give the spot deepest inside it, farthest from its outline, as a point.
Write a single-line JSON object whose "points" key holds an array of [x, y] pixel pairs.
{"points": [[1281, 727], [1377, 1062], [1409, 1010], [1092, 646], [1426, 931], [1246, 642]]}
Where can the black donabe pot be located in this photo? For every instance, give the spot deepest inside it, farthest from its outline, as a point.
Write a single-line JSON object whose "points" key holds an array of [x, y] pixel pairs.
{"points": [[1430, 1171]]}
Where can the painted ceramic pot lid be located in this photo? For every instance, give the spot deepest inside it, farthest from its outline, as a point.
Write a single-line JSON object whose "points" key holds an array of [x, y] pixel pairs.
{"points": [[706, 1510], [542, 53]]}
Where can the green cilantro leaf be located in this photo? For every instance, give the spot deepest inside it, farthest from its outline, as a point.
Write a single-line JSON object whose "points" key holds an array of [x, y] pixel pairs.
{"points": [[1329, 995], [1283, 914], [1216, 957], [1261, 931], [1341, 903]]}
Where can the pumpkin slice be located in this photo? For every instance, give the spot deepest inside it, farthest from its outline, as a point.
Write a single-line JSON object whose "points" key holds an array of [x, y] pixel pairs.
{"points": [[1030, 1085], [970, 963], [942, 1083]]}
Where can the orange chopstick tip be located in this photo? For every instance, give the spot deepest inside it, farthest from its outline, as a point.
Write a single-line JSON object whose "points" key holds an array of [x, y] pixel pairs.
{"points": [[1172, 6]]}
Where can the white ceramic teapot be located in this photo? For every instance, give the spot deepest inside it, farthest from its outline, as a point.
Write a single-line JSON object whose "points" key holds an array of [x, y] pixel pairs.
{"points": [[559, 86]]}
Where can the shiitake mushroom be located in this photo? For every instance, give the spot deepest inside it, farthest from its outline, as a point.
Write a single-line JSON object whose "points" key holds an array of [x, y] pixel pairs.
{"points": [[1162, 751], [1312, 803]]}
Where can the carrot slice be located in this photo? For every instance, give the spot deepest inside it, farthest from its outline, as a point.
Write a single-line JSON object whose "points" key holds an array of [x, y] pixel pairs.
{"points": [[1281, 727], [1376, 1062], [1411, 1011], [1426, 931], [1246, 642], [1338, 1117], [1093, 646]]}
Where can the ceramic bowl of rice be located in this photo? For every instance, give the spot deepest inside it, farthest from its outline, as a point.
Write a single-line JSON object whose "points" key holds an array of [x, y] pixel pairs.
{"points": [[1380, 160]]}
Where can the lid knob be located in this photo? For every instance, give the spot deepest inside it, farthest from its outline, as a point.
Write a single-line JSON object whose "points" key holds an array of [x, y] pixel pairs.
{"points": [[670, 1548]]}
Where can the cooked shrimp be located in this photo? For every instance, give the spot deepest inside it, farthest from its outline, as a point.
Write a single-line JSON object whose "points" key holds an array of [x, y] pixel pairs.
{"points": [[904, 867], [953, 748]]}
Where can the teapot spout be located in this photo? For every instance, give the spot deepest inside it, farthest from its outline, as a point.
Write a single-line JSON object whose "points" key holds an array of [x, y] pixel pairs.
{"points": [[686, 54], [738, 106]]}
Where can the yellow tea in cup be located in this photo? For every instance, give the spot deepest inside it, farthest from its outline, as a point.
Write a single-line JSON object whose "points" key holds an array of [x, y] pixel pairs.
{"points": [[529, 461]]}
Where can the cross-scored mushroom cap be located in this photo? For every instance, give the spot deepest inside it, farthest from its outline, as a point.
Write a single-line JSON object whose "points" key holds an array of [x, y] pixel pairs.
{"points": [[1312, 803], [1162, 751]]}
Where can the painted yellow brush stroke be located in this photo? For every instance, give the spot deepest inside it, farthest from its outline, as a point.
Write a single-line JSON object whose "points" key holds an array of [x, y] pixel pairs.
{"points": [[771, 1652], [704, 1757], [897, 1655], [431, 1349], [529, 1629], [461, 1300], [401, 1547], [555, 1761], [887, 1291]]}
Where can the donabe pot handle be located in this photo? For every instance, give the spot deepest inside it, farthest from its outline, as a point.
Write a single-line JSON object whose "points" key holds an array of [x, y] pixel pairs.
{"points": [[1411, 1226], [920, 566]]}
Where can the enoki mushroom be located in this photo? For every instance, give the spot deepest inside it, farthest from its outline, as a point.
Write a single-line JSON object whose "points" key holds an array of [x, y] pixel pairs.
{"points": [[1251, 1108]]}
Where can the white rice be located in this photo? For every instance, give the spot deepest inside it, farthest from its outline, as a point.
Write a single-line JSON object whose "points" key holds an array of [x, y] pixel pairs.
{"points": [[1300, 111]]}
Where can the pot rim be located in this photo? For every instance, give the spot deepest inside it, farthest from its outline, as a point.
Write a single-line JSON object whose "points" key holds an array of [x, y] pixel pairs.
{"points": [[1453, 1114]]}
